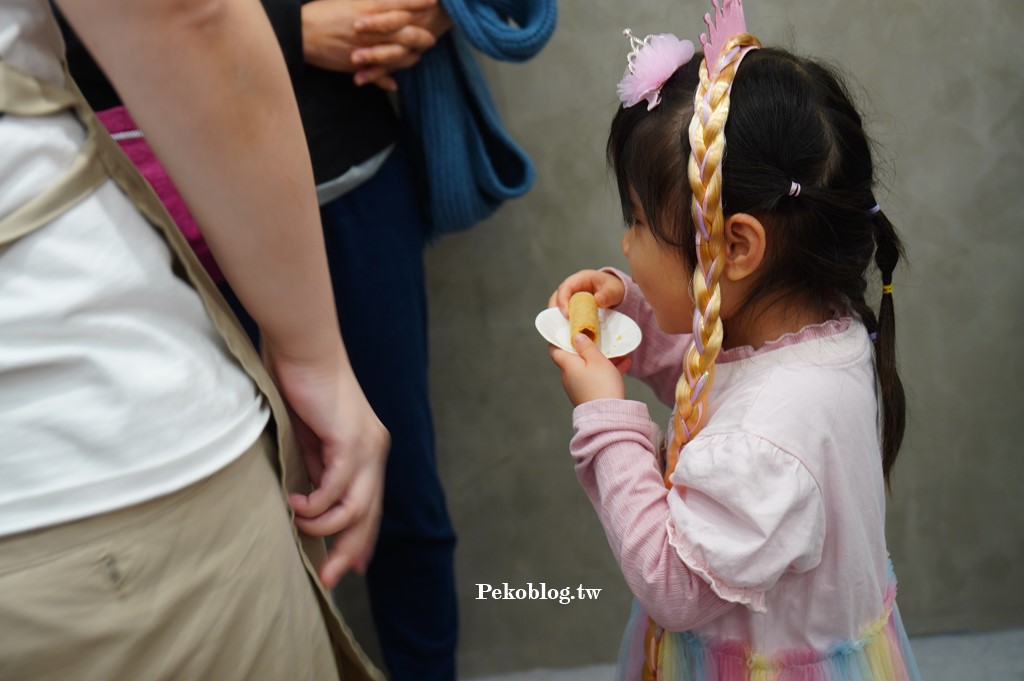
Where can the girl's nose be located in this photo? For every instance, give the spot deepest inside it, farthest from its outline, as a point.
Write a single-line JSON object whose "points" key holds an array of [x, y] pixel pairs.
{"points": [[625, 242]]}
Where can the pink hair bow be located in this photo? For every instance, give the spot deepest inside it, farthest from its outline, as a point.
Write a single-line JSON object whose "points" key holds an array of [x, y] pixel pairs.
{"points": [[651, 62]]}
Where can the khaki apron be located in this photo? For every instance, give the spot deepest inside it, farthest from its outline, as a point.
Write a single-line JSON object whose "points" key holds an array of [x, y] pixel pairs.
{"points": [[101, 159]]}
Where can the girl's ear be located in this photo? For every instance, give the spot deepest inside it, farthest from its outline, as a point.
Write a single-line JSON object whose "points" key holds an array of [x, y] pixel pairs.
{"points": [[745, 246]]}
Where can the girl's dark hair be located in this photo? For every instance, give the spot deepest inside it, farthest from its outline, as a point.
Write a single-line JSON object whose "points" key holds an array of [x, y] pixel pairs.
{"points": [[790, 120]]}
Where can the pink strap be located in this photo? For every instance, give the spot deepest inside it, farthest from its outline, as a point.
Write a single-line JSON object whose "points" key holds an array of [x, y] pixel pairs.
{"points": [[120, 124]]}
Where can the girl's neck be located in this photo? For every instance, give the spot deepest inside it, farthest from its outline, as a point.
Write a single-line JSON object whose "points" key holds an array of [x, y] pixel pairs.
{"points": [[756, 324]]}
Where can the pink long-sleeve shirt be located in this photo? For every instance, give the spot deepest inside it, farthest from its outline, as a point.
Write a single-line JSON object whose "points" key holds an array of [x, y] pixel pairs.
{"points": [[773, 532]]}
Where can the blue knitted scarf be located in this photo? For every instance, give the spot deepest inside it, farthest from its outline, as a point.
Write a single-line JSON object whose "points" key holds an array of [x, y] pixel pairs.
{"points": [[470, 163]]}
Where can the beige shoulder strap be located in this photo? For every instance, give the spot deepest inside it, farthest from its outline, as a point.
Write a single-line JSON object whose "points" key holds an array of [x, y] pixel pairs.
{"points": [[23, 95]]}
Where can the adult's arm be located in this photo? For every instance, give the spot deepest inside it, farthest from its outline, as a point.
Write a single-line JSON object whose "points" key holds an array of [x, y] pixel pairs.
{"points": [[206, 82]]}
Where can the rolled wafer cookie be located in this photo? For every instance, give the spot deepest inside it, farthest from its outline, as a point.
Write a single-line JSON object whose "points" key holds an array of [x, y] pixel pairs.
{"points": [[583, 316]]}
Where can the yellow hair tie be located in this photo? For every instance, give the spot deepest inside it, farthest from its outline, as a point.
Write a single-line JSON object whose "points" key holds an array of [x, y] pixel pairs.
{"points": [[887, 290]]}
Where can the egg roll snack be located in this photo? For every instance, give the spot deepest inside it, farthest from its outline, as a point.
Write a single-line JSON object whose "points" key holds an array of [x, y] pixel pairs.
{"points": [[583, 316]]}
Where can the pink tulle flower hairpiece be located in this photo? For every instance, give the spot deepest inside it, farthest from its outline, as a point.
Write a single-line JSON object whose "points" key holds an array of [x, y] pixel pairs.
{"points": [[651, 62]]}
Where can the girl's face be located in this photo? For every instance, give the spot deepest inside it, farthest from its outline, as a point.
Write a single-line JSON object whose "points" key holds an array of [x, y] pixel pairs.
{"points": [[660, 273]]}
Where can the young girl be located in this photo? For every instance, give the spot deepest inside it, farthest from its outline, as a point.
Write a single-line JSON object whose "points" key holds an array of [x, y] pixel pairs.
{"points": [[765, 557]]}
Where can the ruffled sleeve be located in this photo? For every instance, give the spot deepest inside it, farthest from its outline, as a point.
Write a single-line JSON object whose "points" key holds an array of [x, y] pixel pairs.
{"points": [[741, 513], [614, 449]]}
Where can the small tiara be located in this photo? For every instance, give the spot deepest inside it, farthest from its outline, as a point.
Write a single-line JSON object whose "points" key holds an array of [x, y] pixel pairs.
{"points": [[635, 44], [650, 63]]}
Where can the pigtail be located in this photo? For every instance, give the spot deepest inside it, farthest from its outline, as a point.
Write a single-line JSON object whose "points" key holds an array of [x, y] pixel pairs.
{"points": [[707, 145], [888, 250]]}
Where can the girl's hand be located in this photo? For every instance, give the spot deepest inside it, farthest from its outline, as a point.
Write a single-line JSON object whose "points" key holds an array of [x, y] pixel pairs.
{"points": [[345, 447], [608, 290], [589, 375]]}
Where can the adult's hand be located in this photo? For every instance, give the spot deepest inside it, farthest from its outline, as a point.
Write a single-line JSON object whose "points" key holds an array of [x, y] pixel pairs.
{"points": [[375, 63], [330, 35], [345, 447]]}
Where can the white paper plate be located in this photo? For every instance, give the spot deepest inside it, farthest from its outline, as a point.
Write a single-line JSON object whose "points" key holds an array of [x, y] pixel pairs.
{"points": [[619, 334]]}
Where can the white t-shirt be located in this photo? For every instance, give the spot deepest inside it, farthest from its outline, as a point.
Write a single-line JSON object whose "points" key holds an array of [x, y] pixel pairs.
{"points": [[114, 386]]}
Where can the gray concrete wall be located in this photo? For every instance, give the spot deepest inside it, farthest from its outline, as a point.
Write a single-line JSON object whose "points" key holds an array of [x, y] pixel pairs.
{"points": [[942, 87]]}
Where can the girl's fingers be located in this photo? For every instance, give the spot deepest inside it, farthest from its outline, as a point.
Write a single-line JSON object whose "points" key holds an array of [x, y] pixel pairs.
{"points": [[563, 360], [623, 363], [581, 281], [587, 350]]}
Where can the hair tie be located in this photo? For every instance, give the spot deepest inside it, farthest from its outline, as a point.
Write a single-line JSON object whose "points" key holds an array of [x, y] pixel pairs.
{"points": [[875, 209], [794, 189], [887, 289]]}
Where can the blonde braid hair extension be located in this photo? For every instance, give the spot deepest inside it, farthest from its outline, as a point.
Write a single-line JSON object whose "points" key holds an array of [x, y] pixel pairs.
{"points": [[707, 150]]}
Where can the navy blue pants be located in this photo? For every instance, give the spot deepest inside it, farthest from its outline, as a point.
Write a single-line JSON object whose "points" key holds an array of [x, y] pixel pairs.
{"points": [[375, 239]]}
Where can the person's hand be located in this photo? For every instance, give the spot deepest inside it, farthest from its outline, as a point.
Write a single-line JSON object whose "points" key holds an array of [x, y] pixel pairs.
{"points": [[345, 447], [608, 289], [377, 62], [330, 34], [589, 375]]}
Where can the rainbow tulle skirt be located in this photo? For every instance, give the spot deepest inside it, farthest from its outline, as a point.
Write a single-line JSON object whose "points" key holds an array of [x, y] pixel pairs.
{"points": [[882, 653]]}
